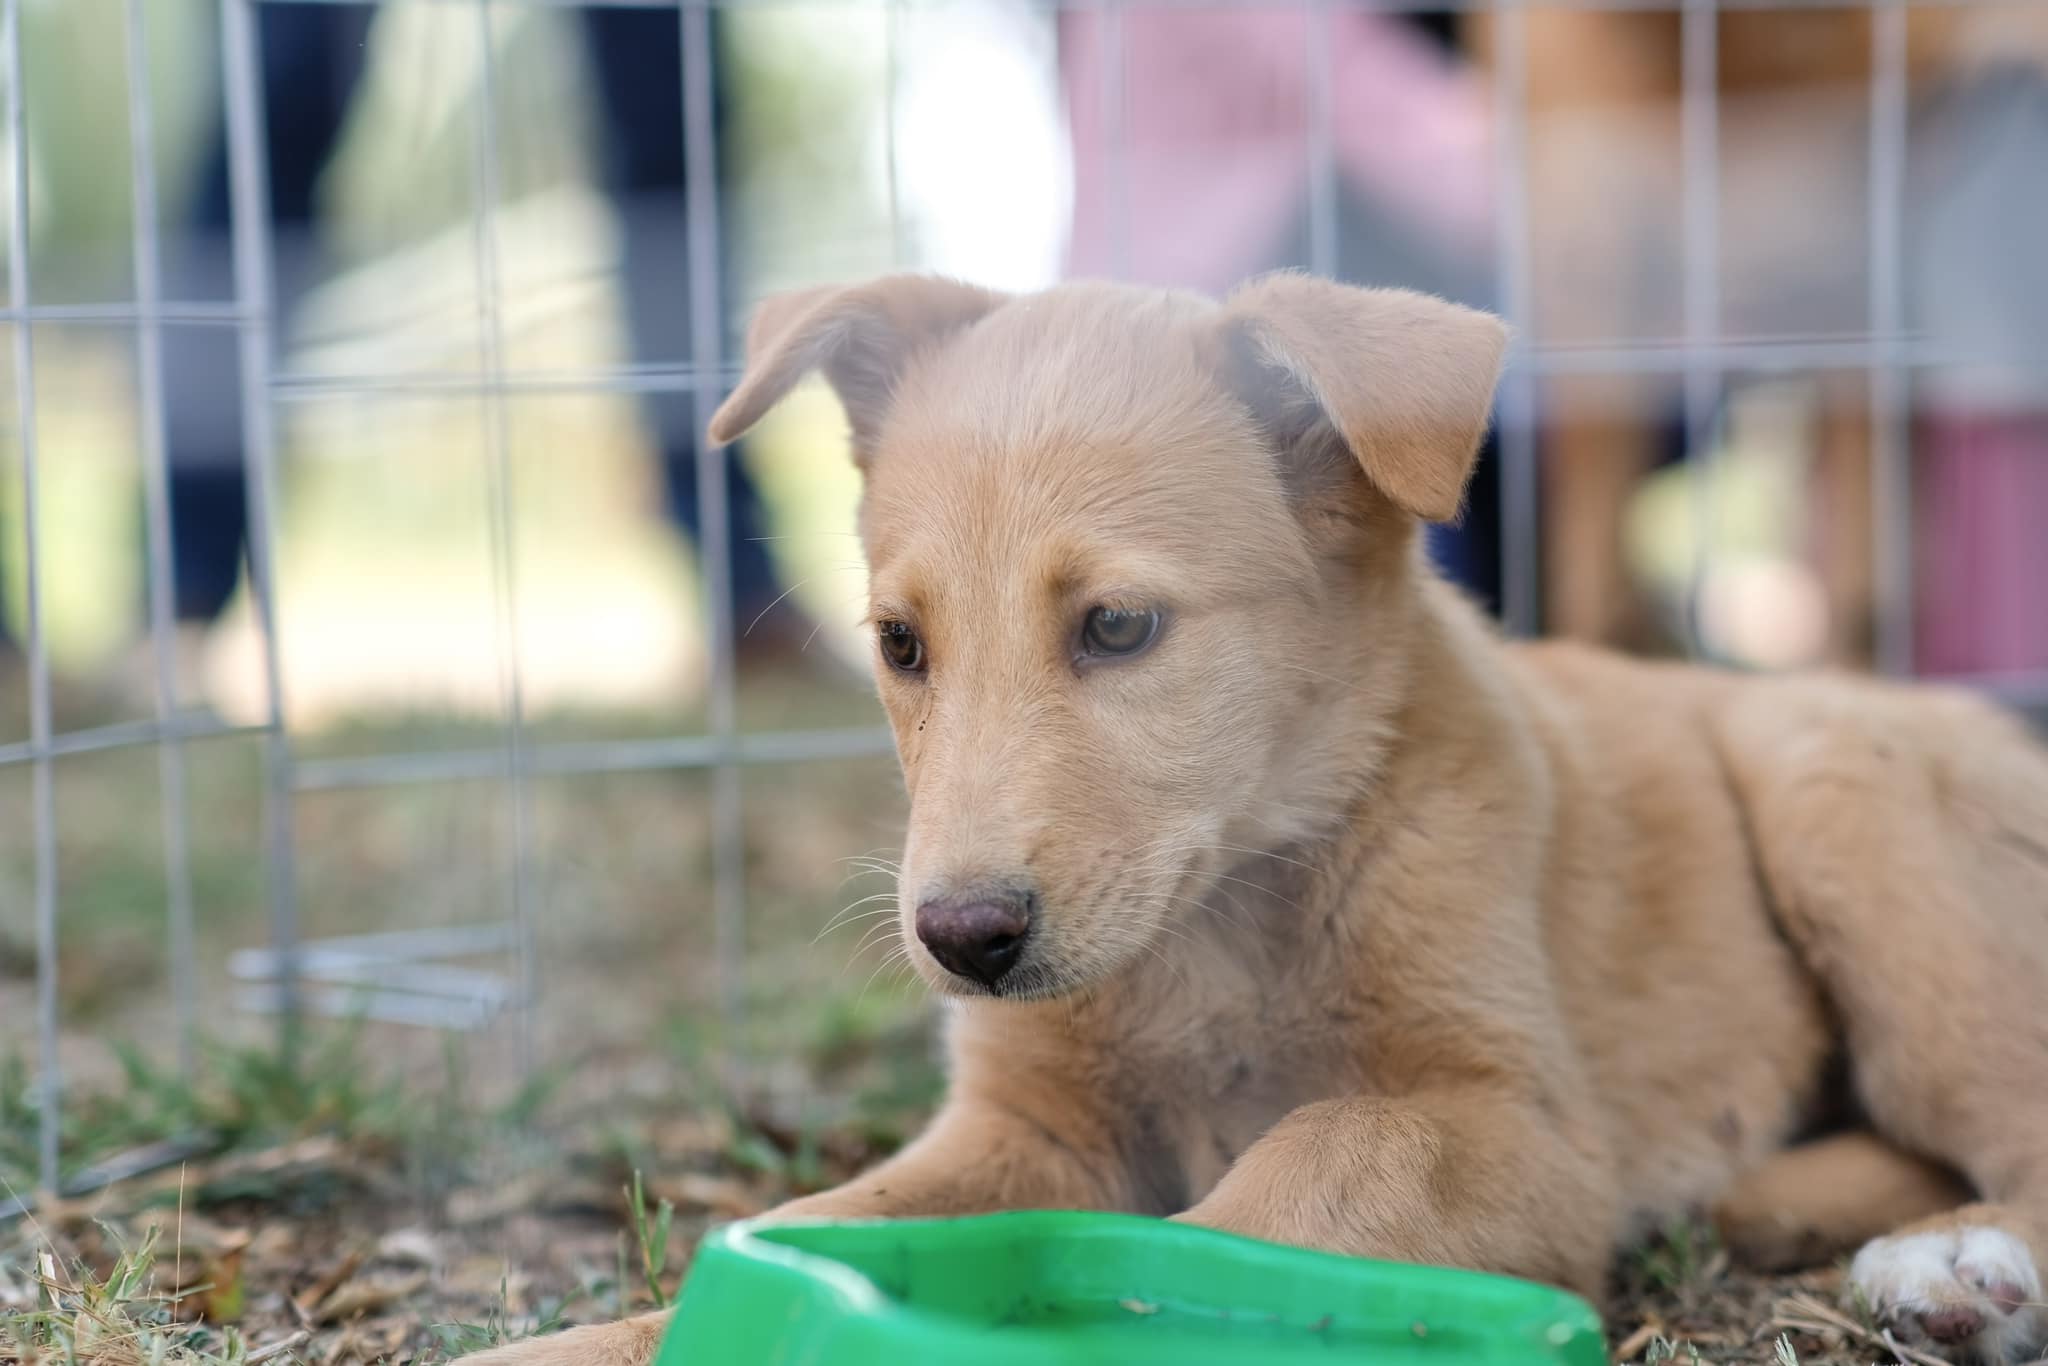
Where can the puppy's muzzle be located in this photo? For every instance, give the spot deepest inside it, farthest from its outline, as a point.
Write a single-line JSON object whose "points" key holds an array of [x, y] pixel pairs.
{"points": [[979, 939]]}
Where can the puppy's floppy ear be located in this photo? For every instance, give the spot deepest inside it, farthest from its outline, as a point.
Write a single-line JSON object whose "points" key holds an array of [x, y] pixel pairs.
{"points": [[860, 336], [1403, 380]]}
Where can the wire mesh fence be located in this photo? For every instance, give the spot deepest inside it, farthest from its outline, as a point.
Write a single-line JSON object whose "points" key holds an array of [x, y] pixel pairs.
{"points": [[415, 973]]}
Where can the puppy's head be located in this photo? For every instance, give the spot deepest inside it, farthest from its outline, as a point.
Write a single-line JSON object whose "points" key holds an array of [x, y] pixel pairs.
{"points": [[1141, 580]]}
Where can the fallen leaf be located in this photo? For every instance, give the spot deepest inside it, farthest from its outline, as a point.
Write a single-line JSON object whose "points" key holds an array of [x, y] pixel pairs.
{"points": [[364, 1296]]}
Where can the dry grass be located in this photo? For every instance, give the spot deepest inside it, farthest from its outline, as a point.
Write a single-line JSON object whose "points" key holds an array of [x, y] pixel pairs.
{"points": [[403, 1196], [415, 1243], [1679, 1299], [330, 1250], [321, 1251]]}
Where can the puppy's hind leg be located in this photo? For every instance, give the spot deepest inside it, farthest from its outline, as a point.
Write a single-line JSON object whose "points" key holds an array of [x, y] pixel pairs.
{"points": [[1905, 842], [1824, 1199]]}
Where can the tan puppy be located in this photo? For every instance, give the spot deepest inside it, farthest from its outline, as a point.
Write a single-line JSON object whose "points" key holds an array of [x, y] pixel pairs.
{"points": [[1272, 891]]}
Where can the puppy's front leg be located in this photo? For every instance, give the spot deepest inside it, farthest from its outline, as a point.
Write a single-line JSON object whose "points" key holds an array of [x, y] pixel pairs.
{"points": [[978, 1155], [1454, 1177]]}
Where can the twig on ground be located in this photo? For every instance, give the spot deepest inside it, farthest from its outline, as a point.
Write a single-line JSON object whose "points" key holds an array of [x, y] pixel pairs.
{"points": [[1802, 1313], [1634, 1343], [278, 1349]]}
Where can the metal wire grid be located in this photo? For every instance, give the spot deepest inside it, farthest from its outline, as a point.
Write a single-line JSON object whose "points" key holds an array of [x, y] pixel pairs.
{"points": [[1702, 358]]}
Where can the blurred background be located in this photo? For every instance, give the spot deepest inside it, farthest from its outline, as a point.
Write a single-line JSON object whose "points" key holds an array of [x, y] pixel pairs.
{"points": [[1779, 399]]}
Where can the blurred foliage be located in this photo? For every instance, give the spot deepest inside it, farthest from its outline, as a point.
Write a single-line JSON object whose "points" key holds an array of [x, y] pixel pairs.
{"points": [[75, 60], [803, 176], [250, 1096]]}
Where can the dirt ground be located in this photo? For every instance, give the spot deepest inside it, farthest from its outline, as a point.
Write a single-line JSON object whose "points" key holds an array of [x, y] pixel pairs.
{"points": [[329, 1251], [405, 1195]]}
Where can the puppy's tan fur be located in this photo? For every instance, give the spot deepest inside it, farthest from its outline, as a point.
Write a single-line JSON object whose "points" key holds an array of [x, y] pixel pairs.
{"points": [[1357, 927]]}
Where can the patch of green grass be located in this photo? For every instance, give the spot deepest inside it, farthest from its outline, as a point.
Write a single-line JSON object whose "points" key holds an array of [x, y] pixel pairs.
{"points": [[119, 1319], [882, 1047], [650, 1236], [1663, 1349], [1859, 1305], [498, 1326], [871, 1057], [251, 1096], [1680, 1259]]}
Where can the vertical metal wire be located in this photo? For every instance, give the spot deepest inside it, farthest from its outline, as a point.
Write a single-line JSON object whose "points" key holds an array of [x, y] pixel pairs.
{"points": [[499, 486], [1520, 519], [255, 296], [149, 368], [1699, 132], [1322, 156], [714, 528], [1116, 136], [49, 1069], [892, 82], [1891, 450]]}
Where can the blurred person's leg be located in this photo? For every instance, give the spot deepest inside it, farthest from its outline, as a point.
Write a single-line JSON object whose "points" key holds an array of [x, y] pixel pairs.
{"points": [[1600, 135], [1976, 290], [312, 61], [1842, 531], [1206, 184], [636, 57], [1376, 247], [1471, 549]]}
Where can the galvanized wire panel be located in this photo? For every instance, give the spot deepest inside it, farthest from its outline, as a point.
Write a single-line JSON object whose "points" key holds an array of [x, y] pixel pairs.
{"points": [[149, 365], [22, 291], [291, 974]]}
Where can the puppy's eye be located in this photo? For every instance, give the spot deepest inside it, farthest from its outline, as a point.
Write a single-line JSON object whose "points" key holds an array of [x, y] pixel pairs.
{"points": [[1117, 631], [901, 647]]}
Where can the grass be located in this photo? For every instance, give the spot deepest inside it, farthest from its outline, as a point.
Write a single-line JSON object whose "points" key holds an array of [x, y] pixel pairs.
{"points": [[1684, 1259], [290, 1241], [1678, 1300], [119, 1318], [573, 1196], [570, 1194], [496, 1328], [299, 1239], [651, 1238], [246, 1097], [129, 1315]]}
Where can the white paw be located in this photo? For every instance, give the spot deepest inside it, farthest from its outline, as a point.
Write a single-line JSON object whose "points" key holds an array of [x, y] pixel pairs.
{"points": [[1972, 1292]]}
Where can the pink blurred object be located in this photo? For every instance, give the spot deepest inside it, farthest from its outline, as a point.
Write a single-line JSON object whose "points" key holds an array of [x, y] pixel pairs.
{"points": [[1214, 165], [1981, 566]]}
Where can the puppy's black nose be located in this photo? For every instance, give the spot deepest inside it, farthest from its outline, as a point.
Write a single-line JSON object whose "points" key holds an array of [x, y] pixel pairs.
{"points": [[979, 939]]}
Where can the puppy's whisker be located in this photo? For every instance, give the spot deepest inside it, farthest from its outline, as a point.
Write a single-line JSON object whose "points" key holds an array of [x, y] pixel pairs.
{"points": [[1260, 853], [883, 911], [897, 951], [907, 971], [900, 957], [1349, 685], [1237, 917], [841, 917], [1258, 887], [876, 934], [779, 599]]}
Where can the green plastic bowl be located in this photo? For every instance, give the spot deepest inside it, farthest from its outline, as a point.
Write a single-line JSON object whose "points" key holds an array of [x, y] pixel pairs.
{"points": [[1068, 1288]]}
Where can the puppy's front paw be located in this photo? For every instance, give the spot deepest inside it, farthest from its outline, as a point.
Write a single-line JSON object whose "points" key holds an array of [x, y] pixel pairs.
{"points": [[1970, 1291]]}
